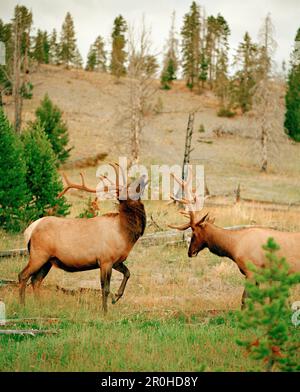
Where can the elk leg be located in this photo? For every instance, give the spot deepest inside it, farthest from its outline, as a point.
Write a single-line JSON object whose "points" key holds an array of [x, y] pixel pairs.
{"points": [[39, 276], [105, 285], [245, 296], [126, 273]]}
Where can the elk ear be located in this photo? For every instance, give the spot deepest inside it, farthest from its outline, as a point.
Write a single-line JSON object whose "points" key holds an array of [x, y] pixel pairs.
{"points": [[136, 188], [202, 220], [211, 220]]}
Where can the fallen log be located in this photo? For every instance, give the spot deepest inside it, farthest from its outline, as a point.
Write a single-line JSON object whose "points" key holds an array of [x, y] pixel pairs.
{"points": [[14, 252], [11, 282], [31, 332]]}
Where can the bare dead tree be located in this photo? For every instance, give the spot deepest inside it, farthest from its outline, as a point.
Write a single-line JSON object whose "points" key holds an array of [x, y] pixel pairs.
{"points": [[21, 32], [269, 119], [266, 100], [142, 68], [188, 144]]}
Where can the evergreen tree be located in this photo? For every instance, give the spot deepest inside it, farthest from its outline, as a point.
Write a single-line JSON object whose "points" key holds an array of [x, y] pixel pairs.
{"points": [[292, 98], [50, 117], [203, 75], [273, 339], [14, 194], [54, 50], [245, 77], [222, 85], [77, 61], [118, 54], [46, 46], [216, 49], [67, 41], [91, 59], [41, 47], [96, 60], [42, 178], [191, 45], [170, 66], [6, 69]]}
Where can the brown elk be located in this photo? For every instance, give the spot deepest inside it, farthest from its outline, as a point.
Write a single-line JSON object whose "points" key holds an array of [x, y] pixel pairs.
{"points": [[83, 244], [242, 245]]}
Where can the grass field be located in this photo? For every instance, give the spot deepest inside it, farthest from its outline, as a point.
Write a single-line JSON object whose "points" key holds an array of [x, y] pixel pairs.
{"points": [[176, 314]]}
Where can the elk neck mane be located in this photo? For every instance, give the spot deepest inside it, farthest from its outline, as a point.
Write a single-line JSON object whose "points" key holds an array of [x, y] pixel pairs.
{"points": [[133, 219]]}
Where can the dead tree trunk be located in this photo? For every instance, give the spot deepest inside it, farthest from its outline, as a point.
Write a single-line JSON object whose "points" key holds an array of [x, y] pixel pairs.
{"points": [[264, 149], [17, 76], [188, 144]]}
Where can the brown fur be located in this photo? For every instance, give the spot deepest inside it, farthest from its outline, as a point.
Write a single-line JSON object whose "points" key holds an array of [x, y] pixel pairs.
{"points": [[244, 245], [81, 244]]}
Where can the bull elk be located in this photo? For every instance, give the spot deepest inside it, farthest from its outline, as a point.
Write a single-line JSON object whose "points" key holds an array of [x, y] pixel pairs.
{"points": [[242, 245], [84, 244]]}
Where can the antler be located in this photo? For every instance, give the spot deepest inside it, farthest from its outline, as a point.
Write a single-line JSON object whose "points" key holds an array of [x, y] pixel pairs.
{"points": [[193, 203], [117, 168], [71, 185]]}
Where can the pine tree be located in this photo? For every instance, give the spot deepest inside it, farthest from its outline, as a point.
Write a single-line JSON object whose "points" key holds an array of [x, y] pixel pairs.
{"points": [[171, 62], [14, 194], [50, 117], [46, 46], [118, 54], [96, 60], [91, 59], [245, 77], [273, 339], [42, 178], [222, 85], [67, 41], [77, 60], [54, 51], [41, 47], [6, 70], [292, 98], [216, 48], [191, 45]]}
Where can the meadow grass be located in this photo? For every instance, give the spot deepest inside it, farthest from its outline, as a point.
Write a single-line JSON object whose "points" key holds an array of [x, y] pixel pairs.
{"points": [[177, 313]]}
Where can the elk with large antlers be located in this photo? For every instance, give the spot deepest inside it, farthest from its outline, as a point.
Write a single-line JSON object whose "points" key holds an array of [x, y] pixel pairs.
{"points": [[83, 244], [242, 245]]}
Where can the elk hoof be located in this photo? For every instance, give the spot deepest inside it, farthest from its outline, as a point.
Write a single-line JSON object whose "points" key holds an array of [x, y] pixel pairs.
{"points": [[115, 298]]}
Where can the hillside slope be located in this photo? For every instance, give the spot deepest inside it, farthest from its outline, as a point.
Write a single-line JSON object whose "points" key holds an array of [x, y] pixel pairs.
{"points": [[95, 108]]}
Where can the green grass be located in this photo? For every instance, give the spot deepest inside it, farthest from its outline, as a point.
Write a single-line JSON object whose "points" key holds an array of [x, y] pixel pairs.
{"points": [[177, 313], [88, 341]]}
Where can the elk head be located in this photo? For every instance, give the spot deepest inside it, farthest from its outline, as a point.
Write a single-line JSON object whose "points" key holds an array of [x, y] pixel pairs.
{"points": [[130, 193], [197, 222]]}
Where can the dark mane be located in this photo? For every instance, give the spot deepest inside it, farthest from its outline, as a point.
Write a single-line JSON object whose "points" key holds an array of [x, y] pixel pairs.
{"points": [[133, 218]]}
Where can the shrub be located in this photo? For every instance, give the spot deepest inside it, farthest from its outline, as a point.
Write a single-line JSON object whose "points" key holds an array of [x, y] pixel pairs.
{"points": [[224, 112], [42, 178], [274, 339], [13, 189], [50, 116]]}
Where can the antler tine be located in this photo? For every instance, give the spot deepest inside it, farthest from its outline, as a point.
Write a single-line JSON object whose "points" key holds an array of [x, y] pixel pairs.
{"points": [[122, 172], [178, 180], [113, 165], [180, 227], [71, 185], [183, 200]]}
